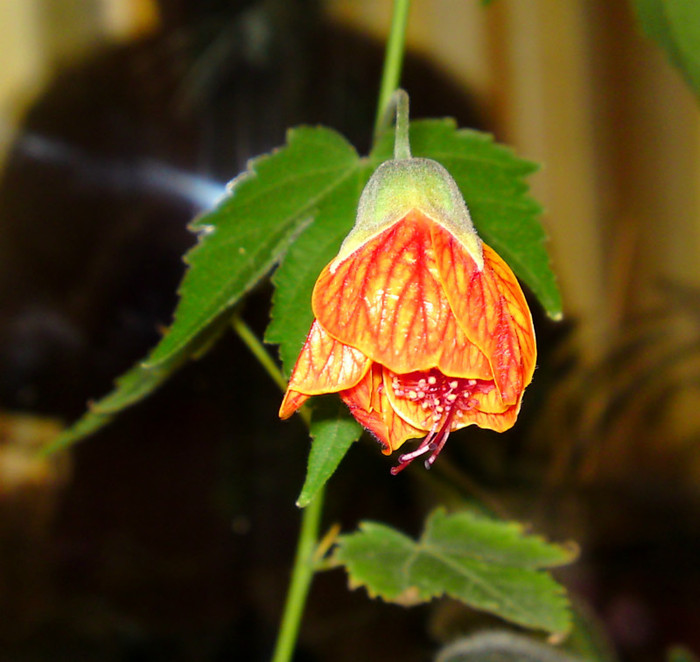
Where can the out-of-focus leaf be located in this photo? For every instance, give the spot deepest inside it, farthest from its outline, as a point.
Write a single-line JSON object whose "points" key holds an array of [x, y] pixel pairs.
{"points": [[675, 25], [489, 565], [502, 646]]}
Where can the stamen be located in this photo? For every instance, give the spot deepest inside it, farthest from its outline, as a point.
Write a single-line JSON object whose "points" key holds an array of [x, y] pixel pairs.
{"points": [[445, 401]]}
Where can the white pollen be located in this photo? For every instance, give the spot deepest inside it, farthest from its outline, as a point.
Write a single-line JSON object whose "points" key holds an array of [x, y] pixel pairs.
{"points": [[421, 395], [471, 382], [432, 380], [451, 397], [421, 383], [439, 409], [425, 404], [436, 402], [412, 395], [454, 384]]}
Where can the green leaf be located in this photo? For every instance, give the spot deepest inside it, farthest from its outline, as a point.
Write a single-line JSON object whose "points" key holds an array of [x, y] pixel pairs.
{"points": [[492, 181], [488, 565], [249, 231], [675, 25], [333, 431]]}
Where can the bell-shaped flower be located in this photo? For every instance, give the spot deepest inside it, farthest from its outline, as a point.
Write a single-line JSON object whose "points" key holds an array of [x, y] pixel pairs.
{"points": [[421, 328]]}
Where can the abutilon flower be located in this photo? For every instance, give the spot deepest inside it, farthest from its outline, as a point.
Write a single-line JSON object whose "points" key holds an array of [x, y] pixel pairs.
{"points": [[420, 327]]}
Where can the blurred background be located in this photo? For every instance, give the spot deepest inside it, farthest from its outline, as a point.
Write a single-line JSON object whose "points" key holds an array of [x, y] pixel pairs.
{"points": [[169, 535]]}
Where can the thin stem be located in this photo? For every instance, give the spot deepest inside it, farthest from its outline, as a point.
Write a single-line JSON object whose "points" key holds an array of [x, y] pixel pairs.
{"points": [[393, 60], [302, 574], [303, 568], [258, 350]]}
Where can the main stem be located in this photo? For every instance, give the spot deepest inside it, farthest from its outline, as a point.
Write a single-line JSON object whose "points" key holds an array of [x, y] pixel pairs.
{"points": [[303, 569]]}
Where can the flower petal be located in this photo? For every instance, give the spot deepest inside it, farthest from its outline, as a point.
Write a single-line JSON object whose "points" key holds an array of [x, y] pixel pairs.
{"points": [[491, 310], [369, 405], [387, 300], [324, 366]]}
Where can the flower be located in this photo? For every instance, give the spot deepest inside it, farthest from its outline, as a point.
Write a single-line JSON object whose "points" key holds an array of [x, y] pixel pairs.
{"points": [[419, 326]]}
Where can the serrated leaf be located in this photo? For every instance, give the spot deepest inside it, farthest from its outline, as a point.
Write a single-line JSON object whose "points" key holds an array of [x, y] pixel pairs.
{"points": [[492, 181], [489, 565], [249, 231], [333, 431], [675, 25]]}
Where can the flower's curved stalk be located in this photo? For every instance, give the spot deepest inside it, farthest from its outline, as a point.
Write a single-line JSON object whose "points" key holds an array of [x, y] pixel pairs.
{"points": [[402, 144]]}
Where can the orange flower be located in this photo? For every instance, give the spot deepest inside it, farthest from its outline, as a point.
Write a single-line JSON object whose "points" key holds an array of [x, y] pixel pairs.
{"points": [[420, 327]]}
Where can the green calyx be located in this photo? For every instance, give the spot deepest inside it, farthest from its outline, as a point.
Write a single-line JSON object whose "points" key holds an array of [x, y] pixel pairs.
{"points": [[405, 184]]}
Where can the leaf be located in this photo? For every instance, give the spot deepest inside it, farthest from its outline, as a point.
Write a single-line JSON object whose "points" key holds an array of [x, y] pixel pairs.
{"points": [[333, 431], [675, 25], [248, 232], [488, 565], [492, 181]]}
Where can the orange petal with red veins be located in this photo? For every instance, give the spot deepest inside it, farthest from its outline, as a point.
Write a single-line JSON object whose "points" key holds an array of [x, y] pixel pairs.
{"points": [[370, 406], [497, 422], [491, 309], [459, 357], [324, 366], [387, 300]]}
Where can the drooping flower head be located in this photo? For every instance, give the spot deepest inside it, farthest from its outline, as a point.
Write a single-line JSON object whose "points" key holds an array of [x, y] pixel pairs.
{"points": [[420, 327]]}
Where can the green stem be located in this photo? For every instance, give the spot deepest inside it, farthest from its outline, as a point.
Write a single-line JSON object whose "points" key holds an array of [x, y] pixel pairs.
{"points": [[258, 350], [302, 574], [393, 60]]}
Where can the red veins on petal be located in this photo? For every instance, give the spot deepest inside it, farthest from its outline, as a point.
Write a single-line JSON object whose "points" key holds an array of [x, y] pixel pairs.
{"points": [[491, 309], [417, 339], [369, 404], [387, 299], [324, 366]]}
